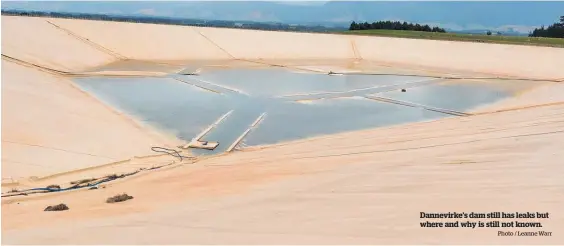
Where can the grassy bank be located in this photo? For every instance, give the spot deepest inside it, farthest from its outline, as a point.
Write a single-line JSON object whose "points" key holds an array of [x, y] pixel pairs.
{"points": [[550, 42]]}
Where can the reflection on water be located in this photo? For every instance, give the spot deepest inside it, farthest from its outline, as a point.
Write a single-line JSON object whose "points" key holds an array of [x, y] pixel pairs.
{"points": [[321, 117], [458, 97], [165, 103], [186, 110], [278, 82]]}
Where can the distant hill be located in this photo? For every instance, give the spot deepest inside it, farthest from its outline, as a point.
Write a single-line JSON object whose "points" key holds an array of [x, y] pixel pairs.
{"points": [[274, 26], [521, 17], [484, 31]]}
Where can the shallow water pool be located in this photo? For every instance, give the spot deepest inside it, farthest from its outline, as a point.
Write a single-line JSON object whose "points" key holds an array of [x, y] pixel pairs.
{"points": [[297, 105]]}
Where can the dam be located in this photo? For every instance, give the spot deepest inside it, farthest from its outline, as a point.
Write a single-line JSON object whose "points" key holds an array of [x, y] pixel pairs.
{"points": [[394, 119], [294, 85], [187, 104]]}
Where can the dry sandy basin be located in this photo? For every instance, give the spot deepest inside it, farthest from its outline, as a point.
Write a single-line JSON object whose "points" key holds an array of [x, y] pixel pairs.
{"points": [[362, 187]]}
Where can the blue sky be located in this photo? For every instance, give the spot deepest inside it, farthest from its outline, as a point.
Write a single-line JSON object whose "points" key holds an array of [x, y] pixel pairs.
{"points": [[498, 16]]}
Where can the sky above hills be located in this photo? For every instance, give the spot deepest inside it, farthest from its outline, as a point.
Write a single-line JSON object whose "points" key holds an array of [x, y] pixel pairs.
{"points": [[458, 16]]}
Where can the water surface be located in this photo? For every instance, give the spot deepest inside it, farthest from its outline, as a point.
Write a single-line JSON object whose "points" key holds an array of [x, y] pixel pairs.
{"points": [[185, 105]]}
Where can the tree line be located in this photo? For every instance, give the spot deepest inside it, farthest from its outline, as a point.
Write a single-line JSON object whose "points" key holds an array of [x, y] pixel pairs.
{"points": [[176, 21], [555, 30], [394, 25]]}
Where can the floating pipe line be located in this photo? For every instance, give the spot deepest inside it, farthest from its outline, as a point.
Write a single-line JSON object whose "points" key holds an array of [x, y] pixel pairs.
{"points": [[415, 105], [193, 80], [199, 86], [355, 92], [220, 86], [208, 129], [242, 136]]}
